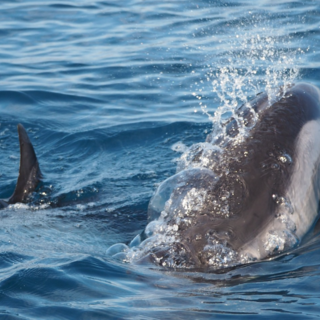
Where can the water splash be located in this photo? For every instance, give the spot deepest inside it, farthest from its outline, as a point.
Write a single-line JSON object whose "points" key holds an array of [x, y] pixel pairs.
{"points": [[255, 56], [257, 59]]}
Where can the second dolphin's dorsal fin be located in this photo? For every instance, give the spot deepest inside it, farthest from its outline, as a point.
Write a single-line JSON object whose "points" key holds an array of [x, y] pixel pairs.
{"points": [[29, 172]]}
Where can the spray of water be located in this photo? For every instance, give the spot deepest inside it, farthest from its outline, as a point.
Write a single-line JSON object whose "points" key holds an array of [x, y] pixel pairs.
{"points": [[251, 56], [257, 58]]}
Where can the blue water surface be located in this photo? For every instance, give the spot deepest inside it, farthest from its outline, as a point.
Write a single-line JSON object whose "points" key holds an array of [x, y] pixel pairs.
{"points": [[106, 89]]}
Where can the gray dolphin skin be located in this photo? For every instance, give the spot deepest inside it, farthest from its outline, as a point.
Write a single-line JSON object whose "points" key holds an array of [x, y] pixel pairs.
{"points": [[255, 196], [29, 172]]}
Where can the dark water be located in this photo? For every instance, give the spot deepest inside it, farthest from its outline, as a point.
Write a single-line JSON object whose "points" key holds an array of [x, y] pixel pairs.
{"points": [[106, 89]]}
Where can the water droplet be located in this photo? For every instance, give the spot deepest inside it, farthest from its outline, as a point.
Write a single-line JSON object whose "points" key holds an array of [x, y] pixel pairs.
{"points": [[209, 234], [225, 195], [136, 241], [286, 207], [116, 248], [278, 199], [285, 158]]}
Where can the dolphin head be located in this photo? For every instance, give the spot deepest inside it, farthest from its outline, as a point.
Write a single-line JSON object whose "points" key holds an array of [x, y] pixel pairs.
{"points": [[245, 203]]}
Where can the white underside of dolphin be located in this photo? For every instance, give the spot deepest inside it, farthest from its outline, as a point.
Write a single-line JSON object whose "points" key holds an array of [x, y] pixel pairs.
{"points": [[302, 195]]}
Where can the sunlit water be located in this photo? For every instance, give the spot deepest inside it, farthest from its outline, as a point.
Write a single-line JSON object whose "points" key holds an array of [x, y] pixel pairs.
{"points": [[112, 93]]}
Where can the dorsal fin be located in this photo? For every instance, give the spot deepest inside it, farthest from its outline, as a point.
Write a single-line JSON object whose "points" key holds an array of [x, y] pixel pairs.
{"points": [[29, 172]]}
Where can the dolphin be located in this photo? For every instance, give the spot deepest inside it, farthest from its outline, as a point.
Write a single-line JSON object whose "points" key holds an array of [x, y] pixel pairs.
{"points": [[29, 172], [251, 193]]}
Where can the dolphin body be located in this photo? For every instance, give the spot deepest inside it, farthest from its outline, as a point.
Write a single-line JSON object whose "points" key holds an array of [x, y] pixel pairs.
{"points": [[29, 172], [255, 196]]}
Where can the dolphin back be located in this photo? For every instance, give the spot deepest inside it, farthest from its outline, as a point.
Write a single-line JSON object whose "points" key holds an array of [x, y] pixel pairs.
{"points": [[29, 172]]}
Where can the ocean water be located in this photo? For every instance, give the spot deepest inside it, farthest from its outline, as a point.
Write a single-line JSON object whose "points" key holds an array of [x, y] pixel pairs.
{"points": [[111, 94]]}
